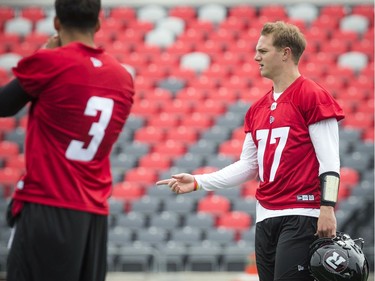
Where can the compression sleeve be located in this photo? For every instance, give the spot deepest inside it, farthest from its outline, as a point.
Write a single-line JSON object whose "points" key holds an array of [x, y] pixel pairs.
{"points": [[12, 98], [244, 169], [325, 138]]}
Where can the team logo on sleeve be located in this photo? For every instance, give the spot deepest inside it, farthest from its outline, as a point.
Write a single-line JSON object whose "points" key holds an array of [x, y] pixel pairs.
{"points": [[335, 261]]}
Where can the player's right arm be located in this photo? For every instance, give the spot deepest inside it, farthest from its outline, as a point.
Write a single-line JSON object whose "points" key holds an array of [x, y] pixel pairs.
{"points": [[233, 175], [12, 98]]}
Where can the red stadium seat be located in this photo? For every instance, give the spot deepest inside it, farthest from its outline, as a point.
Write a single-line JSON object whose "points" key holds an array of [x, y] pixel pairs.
{"points": [[149, 134], [368, 135], [204, 82], [16, 161], [238, 134], [236, 220], [141, 175], [191, 94], [185, 135], [186, 13], [37, 39], [231, 148], [223, 94], [8, 124], [180, 47], [123, 13], [179, 107], [164, 121], [128, 191], [349, 177], [10, 176], [33, 13], [326, 22], [145, 108], [204, 170], [243, 11], [210, 107], [170, 148], [234, 24], [214, 204], [359, 120], [8, 149], [238, 83], [198, 120], [217, 71], [273, 11], [249, 188], [155, 160], [333, 10]]}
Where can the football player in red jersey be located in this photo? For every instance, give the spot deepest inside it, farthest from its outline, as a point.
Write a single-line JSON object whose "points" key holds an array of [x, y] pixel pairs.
{"points": [[80, 99], [292, 145]]}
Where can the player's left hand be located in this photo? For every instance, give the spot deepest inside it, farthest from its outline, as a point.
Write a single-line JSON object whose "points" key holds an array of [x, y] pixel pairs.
{"points": [[327, 222]]}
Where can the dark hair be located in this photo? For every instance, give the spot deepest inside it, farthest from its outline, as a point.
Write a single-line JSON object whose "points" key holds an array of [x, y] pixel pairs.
{"points": [[78, 14], [286, 35]]}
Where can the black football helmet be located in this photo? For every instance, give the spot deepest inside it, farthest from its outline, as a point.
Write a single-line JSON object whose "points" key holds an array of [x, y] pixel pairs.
{"points": [[338, 259]]}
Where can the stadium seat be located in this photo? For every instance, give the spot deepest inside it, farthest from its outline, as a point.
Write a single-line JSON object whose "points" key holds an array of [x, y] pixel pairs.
{"points": [[349, 176], [220, 161], [231, 148], [235, 220], [184, 134], [141, 175], [236, 256], [174, 254], [149, 134], [174, 24], [162, 38], [146, 205], [170, 148], [10, 176], [233, 193], [214, 204], [187, 235], [128, 191], [203, 257], [137, 257], [184, 12], [214, 13], [357, 23], [123, 13], [196, 61], [203, 148], [9, 60], [16, 162], [180, 204], [155, 160], [303, 11], [167, 220], [203, 221], [221, 236], [151, 13], [45, 26], [152, 236], [132, 220], [353, 60], [120, 236], [189, 162]]}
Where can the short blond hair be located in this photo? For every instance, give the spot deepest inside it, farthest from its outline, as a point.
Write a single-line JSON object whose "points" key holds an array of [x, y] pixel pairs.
{"points": [[286, 35]]}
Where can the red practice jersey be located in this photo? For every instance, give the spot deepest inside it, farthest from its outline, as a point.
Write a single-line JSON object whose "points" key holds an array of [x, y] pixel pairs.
{"points": [[81, 100], [288, 167]]}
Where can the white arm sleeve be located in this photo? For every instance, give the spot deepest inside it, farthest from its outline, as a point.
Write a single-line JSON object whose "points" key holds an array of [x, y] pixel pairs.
{"points": [[325, 138], [244, 169]]}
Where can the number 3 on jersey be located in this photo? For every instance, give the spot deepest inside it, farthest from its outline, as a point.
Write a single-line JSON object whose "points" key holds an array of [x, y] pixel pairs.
{"points": [[76, 150], [262, 137]]}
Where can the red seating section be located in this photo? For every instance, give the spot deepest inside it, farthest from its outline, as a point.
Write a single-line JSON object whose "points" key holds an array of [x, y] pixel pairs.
{"points": [[176, 119]]}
